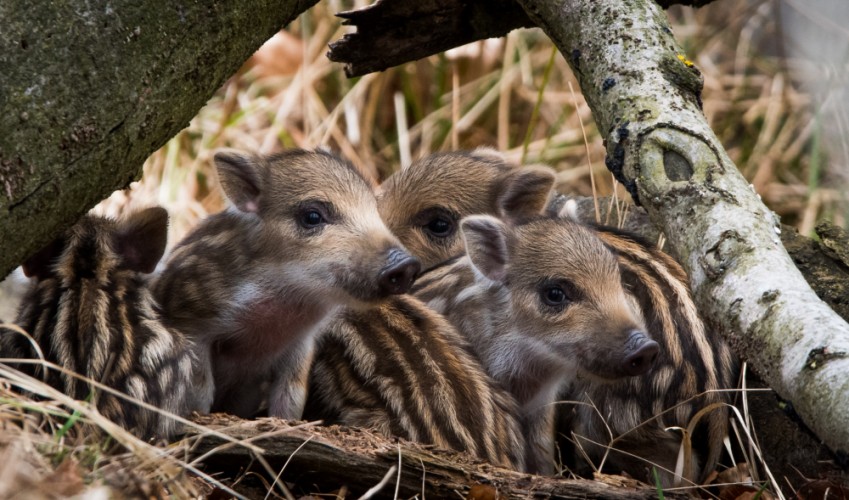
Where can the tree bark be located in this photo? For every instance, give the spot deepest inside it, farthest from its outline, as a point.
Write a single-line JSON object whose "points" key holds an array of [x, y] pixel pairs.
{"points": [[89, 89], [332, 457], [645, 96]]}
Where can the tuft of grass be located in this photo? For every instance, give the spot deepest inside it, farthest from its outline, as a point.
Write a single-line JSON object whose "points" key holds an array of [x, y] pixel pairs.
{"points": [[657, 483]]}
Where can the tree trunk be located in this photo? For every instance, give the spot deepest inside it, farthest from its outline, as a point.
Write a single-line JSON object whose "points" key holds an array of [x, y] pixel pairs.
{"points": [[328, 458], [646, 95], [89, 89]]}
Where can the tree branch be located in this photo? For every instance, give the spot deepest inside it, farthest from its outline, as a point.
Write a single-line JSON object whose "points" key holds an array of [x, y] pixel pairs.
{"points": [[89, 90], [392, 32], [646, 95]]}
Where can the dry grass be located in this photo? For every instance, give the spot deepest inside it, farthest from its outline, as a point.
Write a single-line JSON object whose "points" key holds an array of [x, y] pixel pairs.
{"points": [[53, 446], [290, 95]]}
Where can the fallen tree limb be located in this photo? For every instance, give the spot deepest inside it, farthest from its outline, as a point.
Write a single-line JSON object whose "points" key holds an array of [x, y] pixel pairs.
{"points": [[89, 90], [645, 98], [331, 457]]}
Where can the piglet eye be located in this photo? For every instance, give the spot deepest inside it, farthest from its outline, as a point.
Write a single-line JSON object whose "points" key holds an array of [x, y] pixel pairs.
{"points": [[557, 294], [554, 296], [440, 226], [310, 218]]}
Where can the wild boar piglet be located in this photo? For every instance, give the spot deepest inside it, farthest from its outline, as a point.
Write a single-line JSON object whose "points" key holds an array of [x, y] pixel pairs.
{"points": [[252, 286], [542, 303], [91, 312], [423, 204]]}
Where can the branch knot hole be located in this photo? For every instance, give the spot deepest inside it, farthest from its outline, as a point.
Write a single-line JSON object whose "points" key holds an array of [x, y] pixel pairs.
{"points": [[677, 167], [818, 357], [674, 166]]}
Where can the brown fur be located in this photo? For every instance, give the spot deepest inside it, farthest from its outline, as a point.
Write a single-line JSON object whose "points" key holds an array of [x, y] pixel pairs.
{"points": [[694, 364], [252, 286], [90, 312], [445, 187], [656, 285], [403, 370], [351, 381], [527, 345]]}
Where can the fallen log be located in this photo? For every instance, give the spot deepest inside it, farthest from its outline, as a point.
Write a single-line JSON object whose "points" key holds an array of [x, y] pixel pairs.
{"points": [[329, 458]]}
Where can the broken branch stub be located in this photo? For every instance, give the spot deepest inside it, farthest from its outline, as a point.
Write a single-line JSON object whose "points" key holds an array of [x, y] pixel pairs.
{"points": [[390, 33], [393, 32]]}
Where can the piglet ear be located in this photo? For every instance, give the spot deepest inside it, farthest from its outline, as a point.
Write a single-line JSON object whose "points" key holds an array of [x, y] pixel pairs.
{"points": [[240, 178], [489, 154], [525, 192], [141, 238], [40, 264], [486, 245]]}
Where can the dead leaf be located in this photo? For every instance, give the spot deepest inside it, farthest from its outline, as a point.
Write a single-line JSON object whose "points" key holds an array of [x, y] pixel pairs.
{"points": [[822, 489]]}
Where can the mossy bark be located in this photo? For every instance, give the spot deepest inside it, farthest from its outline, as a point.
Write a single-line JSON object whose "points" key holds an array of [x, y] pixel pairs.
{"points": [[645, 97], [89, 89]]}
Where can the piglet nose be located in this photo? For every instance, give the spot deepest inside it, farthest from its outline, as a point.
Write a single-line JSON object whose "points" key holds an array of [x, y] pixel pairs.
{"points": [[399, 273], [642, 352]]}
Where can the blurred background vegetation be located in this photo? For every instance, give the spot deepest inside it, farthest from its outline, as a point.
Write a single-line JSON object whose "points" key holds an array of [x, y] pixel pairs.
{"points": [[774, 94]]}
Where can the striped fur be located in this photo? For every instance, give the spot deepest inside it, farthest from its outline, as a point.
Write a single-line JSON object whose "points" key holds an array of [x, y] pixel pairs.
{"points": [[90, 312], [530, 346], [403, 370], [692, 360], [695, 358], [694, 364], [352, 383], [254, 285]]}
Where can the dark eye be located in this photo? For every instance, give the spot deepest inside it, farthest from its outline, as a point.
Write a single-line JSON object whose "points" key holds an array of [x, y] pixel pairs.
{"points": [[310, 218], [440, 226], [558, 294], [554, 295]]}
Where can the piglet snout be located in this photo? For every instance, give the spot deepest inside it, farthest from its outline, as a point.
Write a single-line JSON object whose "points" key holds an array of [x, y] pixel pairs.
{"points": [[399, 273], [642, 352]]}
